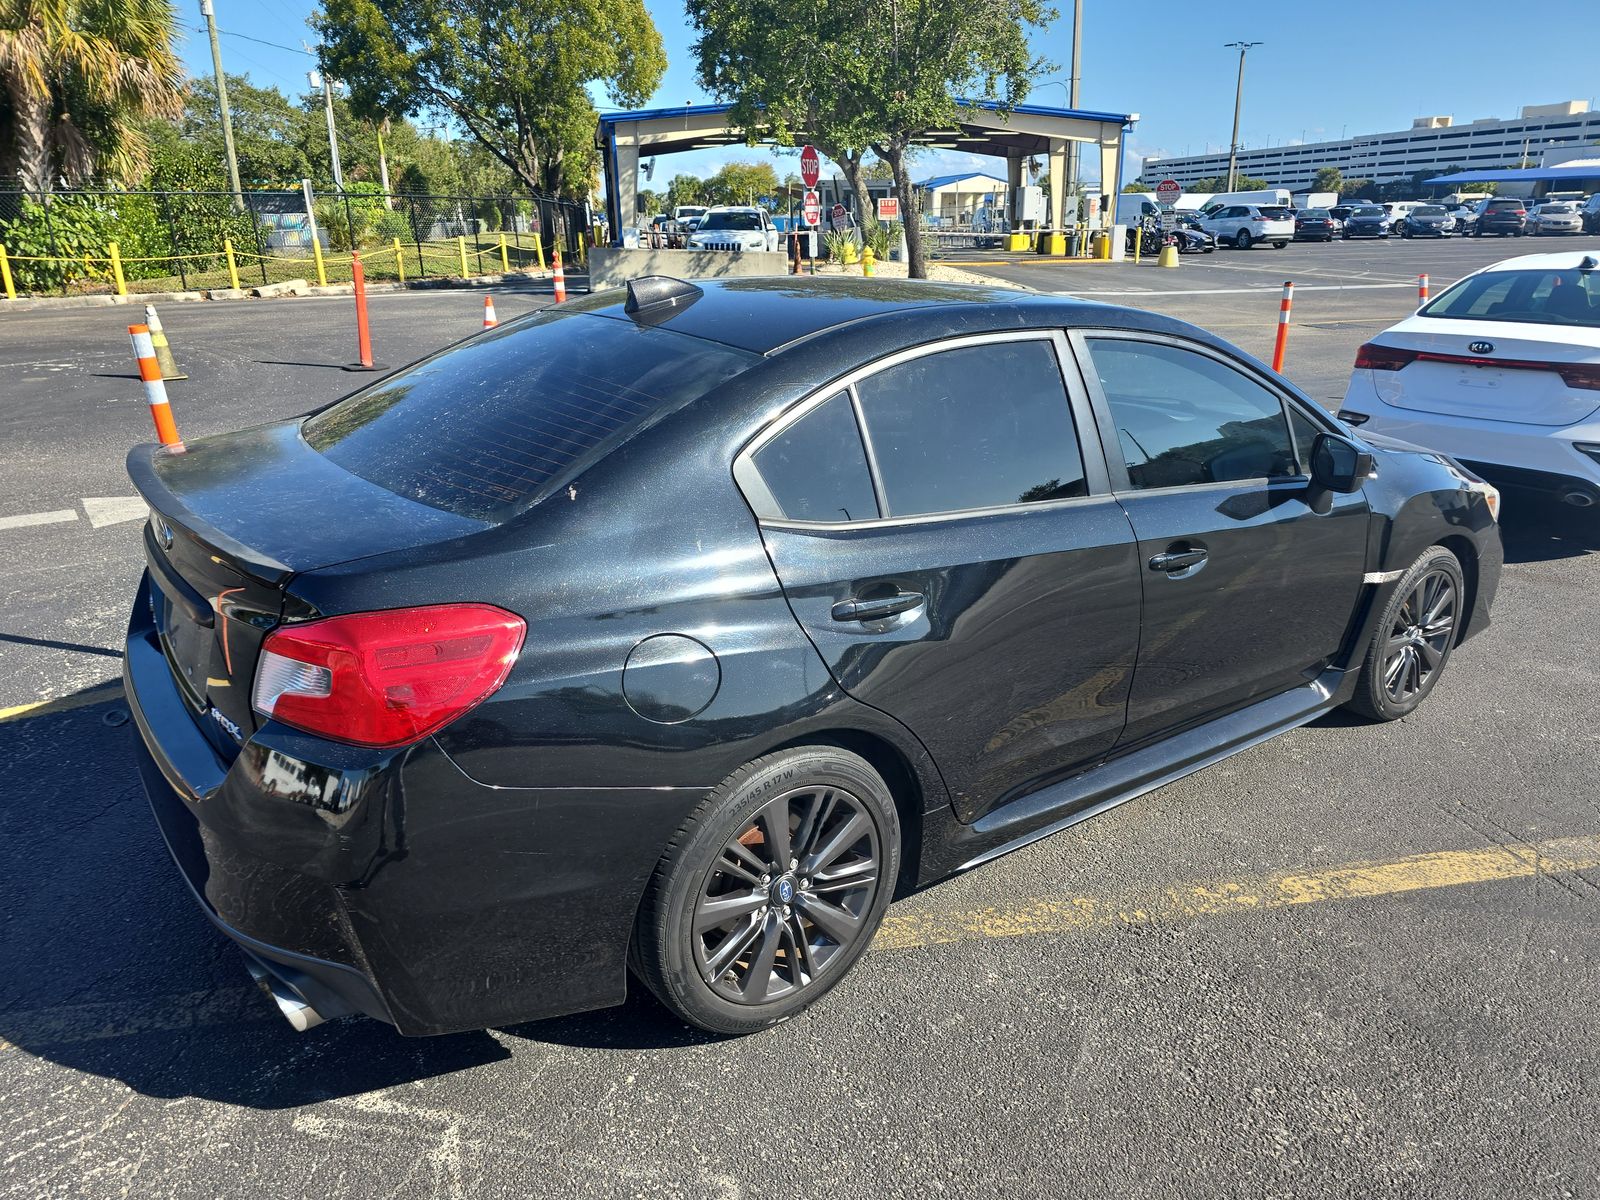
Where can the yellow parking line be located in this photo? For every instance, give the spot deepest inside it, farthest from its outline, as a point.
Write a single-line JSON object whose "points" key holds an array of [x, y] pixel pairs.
{"points": [[1357, 881], [42, 708]]}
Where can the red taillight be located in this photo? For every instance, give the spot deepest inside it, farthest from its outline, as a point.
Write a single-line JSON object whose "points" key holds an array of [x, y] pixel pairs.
{"points": [[386, 678], [1383, 358], [1584, 376]]}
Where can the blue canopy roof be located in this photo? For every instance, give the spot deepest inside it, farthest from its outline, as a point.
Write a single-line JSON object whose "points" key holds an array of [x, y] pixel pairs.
{"points": [[1587, 170], [939, 181]]}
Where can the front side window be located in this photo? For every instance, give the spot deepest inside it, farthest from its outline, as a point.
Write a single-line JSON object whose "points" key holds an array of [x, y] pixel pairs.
{"points": [[1184, 418], [816, 469], [974, 427]]}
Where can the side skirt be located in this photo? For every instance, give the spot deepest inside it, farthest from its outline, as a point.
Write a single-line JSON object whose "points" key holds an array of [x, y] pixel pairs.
{"points": [[1060, 806]]}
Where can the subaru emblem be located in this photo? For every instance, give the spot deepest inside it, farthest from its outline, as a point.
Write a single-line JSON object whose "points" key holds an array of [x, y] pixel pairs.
{"points": [[1481, 347], [785, 890]]}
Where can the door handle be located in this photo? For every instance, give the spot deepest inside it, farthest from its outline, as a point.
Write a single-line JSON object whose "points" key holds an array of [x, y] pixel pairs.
{"points": [[877, 609], [1177, 560]]}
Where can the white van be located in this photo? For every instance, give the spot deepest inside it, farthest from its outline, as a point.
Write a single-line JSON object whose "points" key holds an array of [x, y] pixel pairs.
{"points": [[1134, 207], [1265, 198], [1316, 200]]}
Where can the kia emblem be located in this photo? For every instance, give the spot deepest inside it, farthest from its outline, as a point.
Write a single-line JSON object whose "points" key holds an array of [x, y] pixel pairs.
{"points": [[1481, 347]]}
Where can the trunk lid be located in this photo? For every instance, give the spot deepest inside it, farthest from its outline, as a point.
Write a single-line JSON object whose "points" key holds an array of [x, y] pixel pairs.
{"points": [[1472, 387], [232, 521]]}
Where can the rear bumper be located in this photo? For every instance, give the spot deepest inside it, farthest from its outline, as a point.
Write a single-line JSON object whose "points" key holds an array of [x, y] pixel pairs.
{"points": [[388, 883], [1539, 458]]}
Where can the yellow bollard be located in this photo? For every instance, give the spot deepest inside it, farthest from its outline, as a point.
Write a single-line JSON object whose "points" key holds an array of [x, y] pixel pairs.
{"points": [[505, 261], [1138, 242], [116, 268], [461, 249], [233, 267], [1168, 257], [316, 253], [538, 250], [399, 261], [5, 275]]}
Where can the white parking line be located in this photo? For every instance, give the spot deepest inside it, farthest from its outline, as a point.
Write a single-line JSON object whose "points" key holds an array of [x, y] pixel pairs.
{"points": [[39, 518], [109, 510], [1242, 291]]}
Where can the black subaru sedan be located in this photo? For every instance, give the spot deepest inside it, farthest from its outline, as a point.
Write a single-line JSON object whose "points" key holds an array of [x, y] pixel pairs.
{"points": [[670, 633]]}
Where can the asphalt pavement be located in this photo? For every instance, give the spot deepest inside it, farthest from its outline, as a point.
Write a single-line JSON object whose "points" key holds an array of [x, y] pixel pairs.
{"points": [[1355, 961]]}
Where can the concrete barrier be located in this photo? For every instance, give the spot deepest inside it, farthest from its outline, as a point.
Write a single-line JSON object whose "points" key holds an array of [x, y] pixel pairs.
{"points": [[609, 267]]}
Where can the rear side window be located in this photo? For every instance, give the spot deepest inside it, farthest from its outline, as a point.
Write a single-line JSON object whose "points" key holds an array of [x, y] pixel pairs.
{"points": [[1184, 418], [483, 428], [974, 427], [816, 468]]}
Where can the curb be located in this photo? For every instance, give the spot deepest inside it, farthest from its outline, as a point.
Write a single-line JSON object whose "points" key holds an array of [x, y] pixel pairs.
{"points": [[269, 291]]}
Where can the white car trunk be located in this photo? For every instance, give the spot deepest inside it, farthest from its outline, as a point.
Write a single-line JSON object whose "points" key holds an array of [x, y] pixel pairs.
{"points": [[1522, 392]]}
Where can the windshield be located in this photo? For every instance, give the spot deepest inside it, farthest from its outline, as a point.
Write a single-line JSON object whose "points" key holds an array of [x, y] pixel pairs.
{"points": [[732, 220], [1535, 297], [1428, 210], [486, 427], [1556, 208], [1370, 210]]}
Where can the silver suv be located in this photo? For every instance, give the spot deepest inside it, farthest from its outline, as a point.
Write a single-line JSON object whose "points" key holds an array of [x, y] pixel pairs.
{"points": [[1243, 225]]}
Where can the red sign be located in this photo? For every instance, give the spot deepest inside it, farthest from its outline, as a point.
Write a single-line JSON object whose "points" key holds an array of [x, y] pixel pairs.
{"points": [[810, 166], [1167, 192], [888, 208], [811, 208], [838, 211]]}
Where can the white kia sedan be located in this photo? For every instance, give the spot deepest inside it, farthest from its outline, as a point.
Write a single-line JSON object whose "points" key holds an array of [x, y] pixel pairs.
{"points": [[1502, 371]]}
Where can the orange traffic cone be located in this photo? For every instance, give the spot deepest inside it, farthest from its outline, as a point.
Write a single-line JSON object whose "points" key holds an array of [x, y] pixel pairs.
{"points": [[560, 277], [489, 319]]}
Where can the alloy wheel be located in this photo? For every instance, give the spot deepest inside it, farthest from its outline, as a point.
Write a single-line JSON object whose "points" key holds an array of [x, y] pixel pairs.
{"points": [[1419, 639], [787, 895]]}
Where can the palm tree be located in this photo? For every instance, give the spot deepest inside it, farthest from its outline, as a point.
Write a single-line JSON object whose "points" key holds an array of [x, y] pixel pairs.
{"points": [[79, 79]]}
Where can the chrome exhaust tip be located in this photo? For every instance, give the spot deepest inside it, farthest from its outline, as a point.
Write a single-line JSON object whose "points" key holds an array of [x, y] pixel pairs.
{"points": [[1579, 499], [294, 1009]]}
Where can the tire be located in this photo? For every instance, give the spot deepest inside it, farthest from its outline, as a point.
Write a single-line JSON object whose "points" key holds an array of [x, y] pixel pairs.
{"points": [[1241, 240], [1279, 245], [1404, 661], [720, 856]]}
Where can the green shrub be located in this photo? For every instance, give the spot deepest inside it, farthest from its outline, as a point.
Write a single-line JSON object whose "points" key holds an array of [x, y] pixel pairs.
{"points": [[60, 232]]}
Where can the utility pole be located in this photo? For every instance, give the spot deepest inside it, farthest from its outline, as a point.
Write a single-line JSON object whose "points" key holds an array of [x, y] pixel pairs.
{"points": [[1238, 102], [207, 12], [1073, 80], [321, 79]]}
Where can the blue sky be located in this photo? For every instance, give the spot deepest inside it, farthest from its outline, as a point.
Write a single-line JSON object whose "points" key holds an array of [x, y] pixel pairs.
{"points": [[1314, 78]]}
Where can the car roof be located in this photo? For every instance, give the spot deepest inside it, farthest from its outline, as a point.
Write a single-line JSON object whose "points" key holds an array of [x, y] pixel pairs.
{"points": [[1560, 260], [764, 314]]}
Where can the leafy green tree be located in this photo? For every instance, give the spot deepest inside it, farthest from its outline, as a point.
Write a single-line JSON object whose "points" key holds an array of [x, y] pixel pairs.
{"points": [[1357, 189], [1328, 179], [269, 131], [1134, 188], [1219, 183], [515, 77], [686, 189], [80, 79], [742, 183], [858, 75]]}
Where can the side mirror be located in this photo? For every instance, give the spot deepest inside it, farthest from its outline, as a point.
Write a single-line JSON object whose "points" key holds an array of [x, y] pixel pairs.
{"points": [[1338, 466]]}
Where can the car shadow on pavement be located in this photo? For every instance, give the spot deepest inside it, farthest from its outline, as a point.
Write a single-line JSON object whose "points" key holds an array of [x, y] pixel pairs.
{"points": [[1539, 530], [106, 966]]}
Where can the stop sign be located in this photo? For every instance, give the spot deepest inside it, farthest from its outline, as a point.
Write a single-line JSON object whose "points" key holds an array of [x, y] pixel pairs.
{"points": [[811, 208], [1167, 192], [810, 166]]}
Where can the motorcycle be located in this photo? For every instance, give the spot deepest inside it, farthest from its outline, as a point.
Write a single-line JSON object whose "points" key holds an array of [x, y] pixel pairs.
{"points": [[1186, 235]]}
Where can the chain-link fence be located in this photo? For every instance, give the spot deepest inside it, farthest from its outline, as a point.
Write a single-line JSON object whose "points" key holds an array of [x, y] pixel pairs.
{"points": [[89, 242]]}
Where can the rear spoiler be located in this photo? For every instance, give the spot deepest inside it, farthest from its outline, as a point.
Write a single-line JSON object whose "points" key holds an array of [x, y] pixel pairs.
{"points": [[143, 465]]}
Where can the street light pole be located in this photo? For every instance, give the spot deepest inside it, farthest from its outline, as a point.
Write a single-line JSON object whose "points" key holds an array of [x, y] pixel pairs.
{"points": [[222, 103], [315, 78], [1238, 102], [1073, 80]]}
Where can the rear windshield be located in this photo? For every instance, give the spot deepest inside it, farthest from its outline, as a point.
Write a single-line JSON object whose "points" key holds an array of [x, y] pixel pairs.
{"points": [[1504, 204], [485, 427], [731, 220], [1276, 214], [1547, 297], [1370, 210], [1316, 214]]}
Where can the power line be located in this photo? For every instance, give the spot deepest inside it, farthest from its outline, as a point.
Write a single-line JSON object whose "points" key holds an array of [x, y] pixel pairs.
{"points": [[258, 41]]}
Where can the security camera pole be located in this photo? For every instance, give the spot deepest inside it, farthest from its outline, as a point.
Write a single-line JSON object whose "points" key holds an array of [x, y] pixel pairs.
{"points": [[209, 14], [1238, 100]]}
